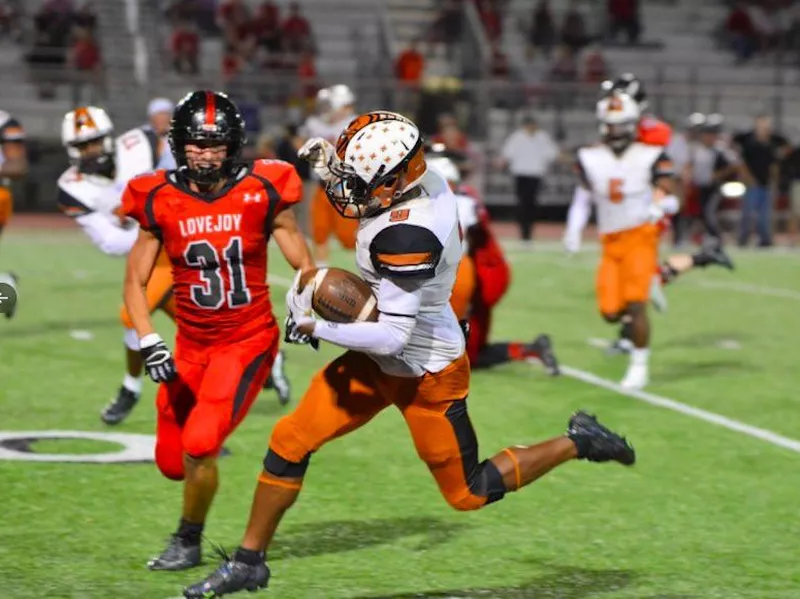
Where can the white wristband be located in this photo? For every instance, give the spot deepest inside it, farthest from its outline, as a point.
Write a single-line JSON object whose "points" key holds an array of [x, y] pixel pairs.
{"points": [[149, 340]]}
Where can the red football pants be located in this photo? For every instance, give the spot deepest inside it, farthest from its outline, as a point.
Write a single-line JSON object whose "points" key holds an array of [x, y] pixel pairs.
{"points": [[215, 387]]}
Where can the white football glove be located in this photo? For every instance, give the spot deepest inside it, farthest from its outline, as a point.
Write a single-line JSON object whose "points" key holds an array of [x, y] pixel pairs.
{"points": [[572, 242], [655, 213], [320, 154], [299, 311]]}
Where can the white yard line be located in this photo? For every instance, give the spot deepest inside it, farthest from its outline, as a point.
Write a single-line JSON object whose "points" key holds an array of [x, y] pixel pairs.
{"points": [[748, 288], [682, 408]]}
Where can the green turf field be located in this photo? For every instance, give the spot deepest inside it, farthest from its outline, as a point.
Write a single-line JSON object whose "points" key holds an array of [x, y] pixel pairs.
{"points": [[707, 512]]}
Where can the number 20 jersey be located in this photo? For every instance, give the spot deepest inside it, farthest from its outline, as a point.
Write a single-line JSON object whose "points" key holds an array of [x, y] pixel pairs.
{"points": [[217, 245]]}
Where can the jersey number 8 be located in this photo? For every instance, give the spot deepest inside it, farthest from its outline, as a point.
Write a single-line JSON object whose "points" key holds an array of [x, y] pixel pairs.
{"points": [[210, 295]]}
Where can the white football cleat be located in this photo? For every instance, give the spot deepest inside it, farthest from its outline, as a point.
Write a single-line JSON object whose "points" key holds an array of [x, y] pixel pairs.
{"points": [[636, 378], [657, 297]]}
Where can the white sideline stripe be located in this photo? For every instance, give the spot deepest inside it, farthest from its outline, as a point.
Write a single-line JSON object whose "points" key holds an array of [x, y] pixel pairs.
{"points": [[687, 410], [748, 288], [654, 400]]}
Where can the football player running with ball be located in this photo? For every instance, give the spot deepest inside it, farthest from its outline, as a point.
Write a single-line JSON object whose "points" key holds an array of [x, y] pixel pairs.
{"points": [[213, 216], [413, 357]]}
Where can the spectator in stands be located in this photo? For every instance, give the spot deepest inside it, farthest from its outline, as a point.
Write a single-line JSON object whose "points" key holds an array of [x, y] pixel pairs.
{"points": [[741, 32], [450, 135], [307, 76], [623, 15], [528, 154], [410, 64], [543, 27], [490, 17], [85, 16], [181, 10], [296, 31], [791, 168], [232, 14], [573, 28], [266, 27], [85, 59], [446, 28], [499, 66], [10, 20], [564, 67], [595, 67], [709, 166], [185, 47], [534, 71], [232, 63], [761, 151]]}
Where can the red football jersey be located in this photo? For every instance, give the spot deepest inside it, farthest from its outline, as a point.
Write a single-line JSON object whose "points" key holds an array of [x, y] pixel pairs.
{"points": [[217, 245], [653, 131]]}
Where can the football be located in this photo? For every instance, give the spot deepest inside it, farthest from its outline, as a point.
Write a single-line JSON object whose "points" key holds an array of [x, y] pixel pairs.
{"points": [[341, 296]]}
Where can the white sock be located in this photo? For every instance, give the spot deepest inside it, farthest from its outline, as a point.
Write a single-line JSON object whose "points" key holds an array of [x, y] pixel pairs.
{"points": [[321, 264], [132, 384], [640, 356], [131, 339]]}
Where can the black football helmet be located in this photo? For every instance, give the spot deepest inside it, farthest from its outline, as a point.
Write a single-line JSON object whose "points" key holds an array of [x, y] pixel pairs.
{"points": [[627, 83], [206, 117]]}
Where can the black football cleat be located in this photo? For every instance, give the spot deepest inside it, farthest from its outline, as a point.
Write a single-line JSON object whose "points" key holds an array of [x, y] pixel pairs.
{"points": [[279, 381], [118, 408], [542, 346], [713, 253], [179, 555], [13, 280], [596, 443], [231, 577]]}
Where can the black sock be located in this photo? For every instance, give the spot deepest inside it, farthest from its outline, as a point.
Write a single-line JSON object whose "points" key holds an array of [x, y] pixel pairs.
{"points": [[249, 557], [190, 533], [625, 330]]}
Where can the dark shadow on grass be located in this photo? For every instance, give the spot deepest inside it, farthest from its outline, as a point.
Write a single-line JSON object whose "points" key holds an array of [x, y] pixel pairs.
{"points": [[320, 538], [58, 327], [688, 370], [563, 583]]}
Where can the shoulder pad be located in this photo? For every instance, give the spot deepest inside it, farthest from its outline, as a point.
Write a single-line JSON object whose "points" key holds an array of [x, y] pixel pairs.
{"points": [[406, 252], [266, 167], [69, 188], [146, 182]]}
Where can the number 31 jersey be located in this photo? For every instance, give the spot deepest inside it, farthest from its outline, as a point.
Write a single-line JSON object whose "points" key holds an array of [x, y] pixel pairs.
{"points": [[217, 245]]}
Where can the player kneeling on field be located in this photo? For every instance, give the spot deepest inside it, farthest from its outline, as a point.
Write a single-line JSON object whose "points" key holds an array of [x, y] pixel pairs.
{"points": [[482, 280], [408, 250]]}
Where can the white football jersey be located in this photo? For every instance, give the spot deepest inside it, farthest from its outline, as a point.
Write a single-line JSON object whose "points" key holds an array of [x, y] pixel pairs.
{"points": [[81, 194], [621, 185], [417, 243], [467, 216], [139, 151]]}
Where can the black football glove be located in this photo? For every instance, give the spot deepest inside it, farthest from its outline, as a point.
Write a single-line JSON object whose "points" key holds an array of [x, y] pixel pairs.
{"points": [[157, 359], [292, 335]]}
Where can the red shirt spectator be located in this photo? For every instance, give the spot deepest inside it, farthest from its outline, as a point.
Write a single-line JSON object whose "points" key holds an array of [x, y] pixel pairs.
{"points": [[296, 29], [231, 63], [307, 73], [85, 52], [739, 21], [595, 66], [185, 43], [410, 65], [622, 10], [232, 13]]}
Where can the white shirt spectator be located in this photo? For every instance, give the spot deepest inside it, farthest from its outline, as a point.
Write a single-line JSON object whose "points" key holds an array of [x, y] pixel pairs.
{"points": [[529, 153]]}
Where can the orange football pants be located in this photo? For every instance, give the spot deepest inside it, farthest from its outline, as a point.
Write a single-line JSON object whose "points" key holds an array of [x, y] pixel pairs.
{"points": [[6, 206], [626, 267], [352, 389], [325, 221], [158, 291]]}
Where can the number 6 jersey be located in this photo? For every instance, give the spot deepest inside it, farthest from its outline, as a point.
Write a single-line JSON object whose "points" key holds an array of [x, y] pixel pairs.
{"points": [[217, 245], [621, 184]]}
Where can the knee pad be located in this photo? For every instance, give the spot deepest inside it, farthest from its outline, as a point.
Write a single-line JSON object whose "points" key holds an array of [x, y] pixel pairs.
{"points": [[280, 467], [287, 446], [484, 486], [131, 339], [202, 442]]}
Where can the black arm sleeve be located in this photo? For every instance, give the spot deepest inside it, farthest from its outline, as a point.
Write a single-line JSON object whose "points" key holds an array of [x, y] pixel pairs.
{"points": [[406, 252]]}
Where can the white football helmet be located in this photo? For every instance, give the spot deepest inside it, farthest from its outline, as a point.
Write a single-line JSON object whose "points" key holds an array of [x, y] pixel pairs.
{"points": [[86, 124], [379, 160], [618, 114], [446, 167], [340, 96]]}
